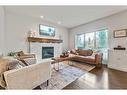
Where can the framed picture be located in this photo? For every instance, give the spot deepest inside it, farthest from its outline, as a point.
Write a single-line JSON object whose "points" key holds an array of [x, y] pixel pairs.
{"points": [[46, 30], [120, 33]]}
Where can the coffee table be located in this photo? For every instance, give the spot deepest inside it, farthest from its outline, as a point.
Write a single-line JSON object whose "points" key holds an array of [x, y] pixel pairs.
{"points": [[57, 60]]}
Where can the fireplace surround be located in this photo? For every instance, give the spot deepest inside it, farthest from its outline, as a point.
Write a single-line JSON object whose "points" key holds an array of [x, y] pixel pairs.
{"points": [[36, 48]]}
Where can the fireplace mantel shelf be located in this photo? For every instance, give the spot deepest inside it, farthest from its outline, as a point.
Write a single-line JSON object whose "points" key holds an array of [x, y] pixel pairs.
{"points": [[44, 40]]}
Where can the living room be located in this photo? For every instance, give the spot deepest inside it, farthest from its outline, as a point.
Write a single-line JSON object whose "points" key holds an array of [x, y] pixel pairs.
{"points": [[80, 47]]}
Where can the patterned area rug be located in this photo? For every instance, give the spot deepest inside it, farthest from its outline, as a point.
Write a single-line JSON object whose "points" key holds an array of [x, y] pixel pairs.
{"points": [[66, 75]]}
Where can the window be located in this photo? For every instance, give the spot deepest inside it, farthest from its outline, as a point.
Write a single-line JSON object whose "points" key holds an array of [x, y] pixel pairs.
{"points": [[102, 43], [80, 41], [95, 40], [102, 39], [90, 40]]}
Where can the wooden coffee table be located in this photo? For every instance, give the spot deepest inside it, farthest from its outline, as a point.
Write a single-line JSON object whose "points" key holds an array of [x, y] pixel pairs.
{"points": [[57, 60]]}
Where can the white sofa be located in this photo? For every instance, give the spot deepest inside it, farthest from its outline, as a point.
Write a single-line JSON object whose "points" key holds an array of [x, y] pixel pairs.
{"points": [[28, 77]]}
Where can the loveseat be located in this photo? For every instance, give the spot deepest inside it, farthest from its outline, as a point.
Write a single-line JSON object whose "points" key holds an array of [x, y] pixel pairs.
{"points": [[88, 56]]}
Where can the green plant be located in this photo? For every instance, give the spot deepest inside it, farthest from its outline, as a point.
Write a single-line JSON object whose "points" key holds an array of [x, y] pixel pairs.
{"points": [[11, 53]]}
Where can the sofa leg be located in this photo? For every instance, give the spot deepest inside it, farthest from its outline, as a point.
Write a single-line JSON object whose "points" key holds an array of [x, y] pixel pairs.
{"points": [[99, 65], [47, 82]]}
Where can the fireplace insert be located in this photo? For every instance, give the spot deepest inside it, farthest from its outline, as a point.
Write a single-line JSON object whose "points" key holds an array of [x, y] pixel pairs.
{"points": [[47, 52]]}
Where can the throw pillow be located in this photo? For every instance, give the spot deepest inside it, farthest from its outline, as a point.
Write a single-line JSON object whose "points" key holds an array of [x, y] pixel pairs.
{"points": [[89, 52], [73, 51], [20, 53], [30, 61]]}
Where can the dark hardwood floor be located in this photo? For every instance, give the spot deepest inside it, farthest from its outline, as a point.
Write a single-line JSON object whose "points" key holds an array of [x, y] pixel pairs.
{"points": [[103, 78]]}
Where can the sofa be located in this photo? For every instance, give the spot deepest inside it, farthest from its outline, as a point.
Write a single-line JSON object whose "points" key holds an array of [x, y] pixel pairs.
{"points": [[88, 56], [14, 76]]}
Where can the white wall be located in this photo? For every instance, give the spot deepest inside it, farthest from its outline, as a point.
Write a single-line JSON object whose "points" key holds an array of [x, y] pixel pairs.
{"points": [[114, 22], [18, 26], [1, 30]]}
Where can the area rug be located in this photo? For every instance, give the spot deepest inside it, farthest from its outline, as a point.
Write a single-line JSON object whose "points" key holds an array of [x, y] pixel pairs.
{"points": [[83, 66], [66, 75]]}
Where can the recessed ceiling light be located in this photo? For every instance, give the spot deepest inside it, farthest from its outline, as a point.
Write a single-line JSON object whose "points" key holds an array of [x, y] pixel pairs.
{"points": [[59, 22], [41, 17]]}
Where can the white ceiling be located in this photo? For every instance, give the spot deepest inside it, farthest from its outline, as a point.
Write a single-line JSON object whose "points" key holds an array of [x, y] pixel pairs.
{"points": [[70, 16]]}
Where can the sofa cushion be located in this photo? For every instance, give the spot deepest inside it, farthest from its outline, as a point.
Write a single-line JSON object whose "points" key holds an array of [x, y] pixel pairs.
{"points": [[87, 59], [90, 57], [85, 52], [82, 52]]}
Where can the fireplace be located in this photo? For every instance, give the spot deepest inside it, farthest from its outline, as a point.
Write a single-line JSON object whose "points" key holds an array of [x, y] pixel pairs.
{"points": [[47, 52]]}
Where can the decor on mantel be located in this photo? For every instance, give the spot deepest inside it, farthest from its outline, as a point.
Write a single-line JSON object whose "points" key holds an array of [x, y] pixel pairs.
{"points": [[44, 40], [32, 33], [119, 48], [120, 33]]}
